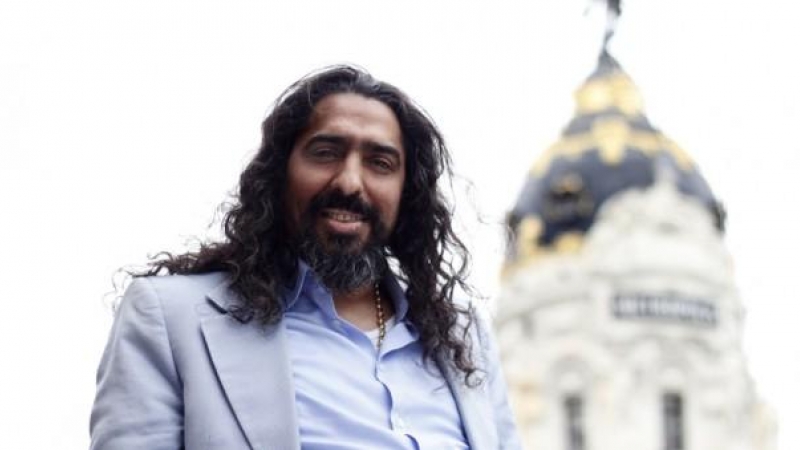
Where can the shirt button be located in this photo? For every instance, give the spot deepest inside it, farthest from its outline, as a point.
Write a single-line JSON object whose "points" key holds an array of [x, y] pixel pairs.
{"points": [[399, 423]]}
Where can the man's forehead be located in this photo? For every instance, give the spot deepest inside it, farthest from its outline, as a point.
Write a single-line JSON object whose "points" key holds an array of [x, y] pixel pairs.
{"points": [[342, 103], [347, 112]]}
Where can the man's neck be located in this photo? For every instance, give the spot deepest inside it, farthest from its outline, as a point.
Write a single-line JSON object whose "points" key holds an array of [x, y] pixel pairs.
{"points": [[359, 306]]}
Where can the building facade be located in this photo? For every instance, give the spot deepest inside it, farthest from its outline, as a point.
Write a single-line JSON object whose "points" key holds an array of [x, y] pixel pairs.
{"points": [[619, 321]]}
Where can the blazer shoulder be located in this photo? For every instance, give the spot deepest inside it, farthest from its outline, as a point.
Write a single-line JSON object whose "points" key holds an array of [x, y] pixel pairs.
{"points": [[177, 293], [170, 284]]}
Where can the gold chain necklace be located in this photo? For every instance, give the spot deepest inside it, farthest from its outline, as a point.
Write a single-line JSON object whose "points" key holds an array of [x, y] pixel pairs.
{"points": [[381, 321]]}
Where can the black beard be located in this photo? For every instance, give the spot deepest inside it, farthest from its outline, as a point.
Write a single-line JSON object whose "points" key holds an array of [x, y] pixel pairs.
{"points": [[339, 263], [341, 269]]}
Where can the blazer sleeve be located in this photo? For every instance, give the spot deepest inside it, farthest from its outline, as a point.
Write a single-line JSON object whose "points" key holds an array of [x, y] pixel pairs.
{"points": [[507, 435], [138, 404]]}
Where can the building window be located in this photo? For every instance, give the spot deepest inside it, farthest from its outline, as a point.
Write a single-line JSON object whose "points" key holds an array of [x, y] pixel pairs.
{"points": [[573, 409], [672, 404]]}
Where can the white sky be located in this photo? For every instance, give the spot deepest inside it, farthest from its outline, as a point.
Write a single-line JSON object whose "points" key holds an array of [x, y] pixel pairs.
{"points": [[123, 125]]}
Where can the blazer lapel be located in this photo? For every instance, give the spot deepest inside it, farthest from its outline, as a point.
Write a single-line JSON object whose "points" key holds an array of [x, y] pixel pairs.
{"points": [[253, 367], [474, 408]]}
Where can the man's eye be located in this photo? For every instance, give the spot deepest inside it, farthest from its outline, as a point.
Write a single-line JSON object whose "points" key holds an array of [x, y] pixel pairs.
{"points": [[382, 164], [323, 153]]}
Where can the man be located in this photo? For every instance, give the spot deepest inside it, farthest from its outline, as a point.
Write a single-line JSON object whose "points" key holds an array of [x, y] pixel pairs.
{"points": [[325, 319]]}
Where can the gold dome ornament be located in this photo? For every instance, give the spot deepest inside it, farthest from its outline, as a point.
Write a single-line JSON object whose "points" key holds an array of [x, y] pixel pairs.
{"points": [[609, 146]]}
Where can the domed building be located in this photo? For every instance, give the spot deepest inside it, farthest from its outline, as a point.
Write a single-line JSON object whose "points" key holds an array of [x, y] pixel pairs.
{"points": [[619, 320]]}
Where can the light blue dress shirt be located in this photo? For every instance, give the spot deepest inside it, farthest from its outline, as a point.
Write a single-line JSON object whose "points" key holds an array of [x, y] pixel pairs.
{"points": [[350, 397]]}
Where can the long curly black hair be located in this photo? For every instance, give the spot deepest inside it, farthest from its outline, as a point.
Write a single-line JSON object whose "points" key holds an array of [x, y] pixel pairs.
{"points": [[431, 258]]}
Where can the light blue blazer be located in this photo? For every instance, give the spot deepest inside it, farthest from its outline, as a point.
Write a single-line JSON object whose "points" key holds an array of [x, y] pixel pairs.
{"points": [[180, 373]]}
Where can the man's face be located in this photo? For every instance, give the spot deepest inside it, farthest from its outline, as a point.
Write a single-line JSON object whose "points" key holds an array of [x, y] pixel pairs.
{"points": [[346, 173]]}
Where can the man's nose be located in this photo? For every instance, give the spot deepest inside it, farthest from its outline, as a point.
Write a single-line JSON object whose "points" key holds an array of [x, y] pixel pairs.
{"points": [[350, 178]]}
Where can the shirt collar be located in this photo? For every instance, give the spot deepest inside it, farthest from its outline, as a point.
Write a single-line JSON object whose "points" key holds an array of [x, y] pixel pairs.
{"points": [[291, 293], [305, 276], [397, 295]]}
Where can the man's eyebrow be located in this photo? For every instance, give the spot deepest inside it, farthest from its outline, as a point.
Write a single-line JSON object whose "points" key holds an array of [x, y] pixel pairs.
{"points": [[384, 149], [327, 138]]}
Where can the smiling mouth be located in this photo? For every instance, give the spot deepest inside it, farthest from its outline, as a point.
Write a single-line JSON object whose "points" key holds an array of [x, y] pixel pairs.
{"points": [[343, 222], [343, 216]]}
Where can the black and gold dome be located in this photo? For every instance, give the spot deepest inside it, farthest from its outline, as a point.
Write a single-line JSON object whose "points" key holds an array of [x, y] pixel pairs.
{"points": [[608, 147]]}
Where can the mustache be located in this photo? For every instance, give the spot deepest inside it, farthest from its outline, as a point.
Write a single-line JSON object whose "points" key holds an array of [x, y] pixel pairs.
{"points": [[339, 200]]}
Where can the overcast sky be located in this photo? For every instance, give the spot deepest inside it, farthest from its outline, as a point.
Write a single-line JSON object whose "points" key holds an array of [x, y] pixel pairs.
{"points": [[124, 124]]}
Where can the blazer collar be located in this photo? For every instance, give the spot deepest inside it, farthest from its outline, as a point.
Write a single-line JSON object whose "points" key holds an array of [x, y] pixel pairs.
{"points": [[223, 298]]}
